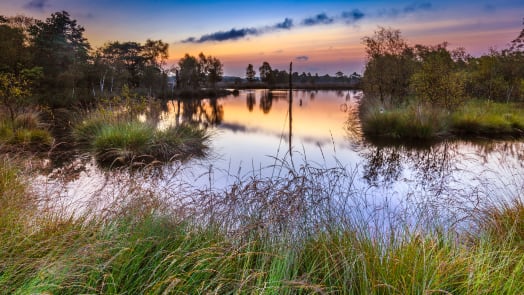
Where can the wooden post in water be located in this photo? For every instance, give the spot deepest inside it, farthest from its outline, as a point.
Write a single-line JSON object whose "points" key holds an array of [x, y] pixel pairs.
{"points": [[291, 111]]}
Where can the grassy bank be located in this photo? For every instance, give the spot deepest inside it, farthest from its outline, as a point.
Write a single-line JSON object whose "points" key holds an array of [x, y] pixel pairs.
{"points": [[474, 119], [118, 137], [263, 236]]}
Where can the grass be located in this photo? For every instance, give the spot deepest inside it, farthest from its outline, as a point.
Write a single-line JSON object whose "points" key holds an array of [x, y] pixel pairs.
{"points": [[260, 236], [26, 133], [118, 140], [485, 118], [411, 122], [474, 119]]}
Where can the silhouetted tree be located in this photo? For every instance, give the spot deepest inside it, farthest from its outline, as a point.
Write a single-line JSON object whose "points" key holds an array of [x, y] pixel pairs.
{"points": [[266, 73], [189, 72], [250, 73], [211, 69]]}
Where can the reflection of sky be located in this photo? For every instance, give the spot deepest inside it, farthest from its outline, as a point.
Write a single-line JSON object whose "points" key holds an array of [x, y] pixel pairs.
{"points": [[318, 124], [250, 140], [325, 34]]}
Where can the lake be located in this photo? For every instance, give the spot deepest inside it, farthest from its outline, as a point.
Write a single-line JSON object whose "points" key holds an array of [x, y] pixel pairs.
{"points": [[260, 134]]}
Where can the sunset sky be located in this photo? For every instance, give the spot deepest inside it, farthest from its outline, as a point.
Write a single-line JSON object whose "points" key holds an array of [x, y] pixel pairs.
{"points": [[318, 36]]}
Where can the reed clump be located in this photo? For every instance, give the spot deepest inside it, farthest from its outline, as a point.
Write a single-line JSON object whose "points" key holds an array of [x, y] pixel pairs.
{"points": [[118, 139], [26, 133]]}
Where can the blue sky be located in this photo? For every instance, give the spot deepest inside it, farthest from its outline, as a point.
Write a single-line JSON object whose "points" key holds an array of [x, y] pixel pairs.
{"points": [[319, 36]]}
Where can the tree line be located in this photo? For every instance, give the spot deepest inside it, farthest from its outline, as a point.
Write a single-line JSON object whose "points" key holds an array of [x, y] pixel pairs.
{"points": [[397, 73], [51, 63], [272, 76]]}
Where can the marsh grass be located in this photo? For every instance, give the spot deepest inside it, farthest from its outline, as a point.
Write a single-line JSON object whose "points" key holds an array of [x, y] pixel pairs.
{"points": [[410, 122], [278, 235], [26, 133], [120, 139], [473, 119], [487, 118]]}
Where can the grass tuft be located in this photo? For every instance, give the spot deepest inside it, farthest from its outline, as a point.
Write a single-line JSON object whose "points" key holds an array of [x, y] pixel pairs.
{"points": [[118, 140]]}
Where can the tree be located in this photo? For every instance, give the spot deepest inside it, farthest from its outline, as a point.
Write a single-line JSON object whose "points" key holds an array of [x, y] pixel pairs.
{"points": [[250, 73], [266, 73], [189, 72], [14, 90], [436, 81], [518, 43], [211, 69], [60, 48], [14, 54], [389, 66]]}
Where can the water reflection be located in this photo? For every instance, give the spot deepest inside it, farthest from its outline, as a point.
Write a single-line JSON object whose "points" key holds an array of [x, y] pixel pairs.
{"points": [[251, 100], [434, 166], [322, 129], [266, 101]]}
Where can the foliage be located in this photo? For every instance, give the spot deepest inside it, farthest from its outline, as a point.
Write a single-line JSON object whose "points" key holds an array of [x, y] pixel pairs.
{"points": [[266, 73], [15, 54], [60, 49], [436, 82], [250, 73], [13, 93], [194, 73], [389, 67]]}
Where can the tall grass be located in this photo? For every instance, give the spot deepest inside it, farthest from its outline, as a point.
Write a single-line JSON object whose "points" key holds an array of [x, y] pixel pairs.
{"points": [[474, 118], [117, 140], [487, 118], [26, 133], [281, 235], [411, 122]]}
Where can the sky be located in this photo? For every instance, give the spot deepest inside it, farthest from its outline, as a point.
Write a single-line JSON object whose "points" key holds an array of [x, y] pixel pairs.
{"points": [[321, 37]]}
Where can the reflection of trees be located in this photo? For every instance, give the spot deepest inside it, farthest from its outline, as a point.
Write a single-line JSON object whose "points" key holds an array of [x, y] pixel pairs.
{"points": [[506, 149], [312, 95], [352, 124], [266, 101], [430, 165], [205, 112], [382, 163], [251, 101], [433, 166]]}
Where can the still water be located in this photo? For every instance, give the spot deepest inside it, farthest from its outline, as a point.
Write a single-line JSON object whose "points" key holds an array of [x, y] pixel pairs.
{"points": [[262, 133], [260, 129]]}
